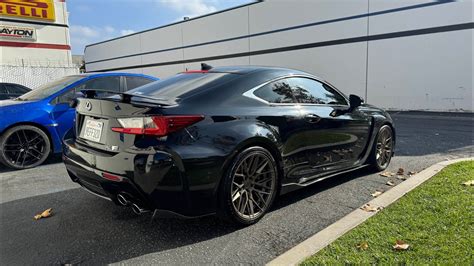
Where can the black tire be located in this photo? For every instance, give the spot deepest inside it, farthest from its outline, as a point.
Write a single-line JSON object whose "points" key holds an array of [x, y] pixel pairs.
{"points": [[23, 147], [238, 182], [377, 163]]}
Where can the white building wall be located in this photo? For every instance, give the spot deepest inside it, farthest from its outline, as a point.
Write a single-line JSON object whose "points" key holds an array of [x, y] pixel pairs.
{"points": [[431, 71], [45, 34], [34, 66], [428, 69]]}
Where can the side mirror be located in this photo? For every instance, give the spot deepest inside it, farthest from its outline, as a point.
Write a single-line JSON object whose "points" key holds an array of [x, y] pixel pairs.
{"points": [[355, 101], [73, 103]]}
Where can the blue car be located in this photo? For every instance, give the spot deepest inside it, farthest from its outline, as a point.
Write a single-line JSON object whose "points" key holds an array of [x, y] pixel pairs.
{"points": [[33, 125]]}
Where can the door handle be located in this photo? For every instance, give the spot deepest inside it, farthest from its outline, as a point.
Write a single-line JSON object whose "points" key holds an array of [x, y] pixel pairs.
{"points": [[312, 118]]}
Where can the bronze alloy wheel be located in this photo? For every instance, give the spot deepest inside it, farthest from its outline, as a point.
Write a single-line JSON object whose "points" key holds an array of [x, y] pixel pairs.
{"points": [[250, 186], [384, 147]]}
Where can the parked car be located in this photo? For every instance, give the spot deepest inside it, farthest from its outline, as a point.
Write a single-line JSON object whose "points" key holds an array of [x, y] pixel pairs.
{"points": [[32, 126], [12, 90], [224, 141]]}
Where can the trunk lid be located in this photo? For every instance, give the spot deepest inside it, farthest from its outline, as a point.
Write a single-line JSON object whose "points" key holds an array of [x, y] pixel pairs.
{"points": [[95, 119]]}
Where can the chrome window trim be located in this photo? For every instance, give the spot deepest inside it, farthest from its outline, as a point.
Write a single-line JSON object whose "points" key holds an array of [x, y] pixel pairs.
{"points": [[250, 93]]}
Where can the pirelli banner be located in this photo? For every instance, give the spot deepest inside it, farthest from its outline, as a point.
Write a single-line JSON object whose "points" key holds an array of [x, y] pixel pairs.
{"points": [[28, 9]]}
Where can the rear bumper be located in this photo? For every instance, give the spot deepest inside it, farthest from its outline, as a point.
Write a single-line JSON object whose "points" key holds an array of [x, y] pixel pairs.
{"points": [[153, 179]]}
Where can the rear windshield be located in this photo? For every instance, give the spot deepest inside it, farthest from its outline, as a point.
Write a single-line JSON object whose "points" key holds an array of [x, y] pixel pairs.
{"points": [[179, 85]]}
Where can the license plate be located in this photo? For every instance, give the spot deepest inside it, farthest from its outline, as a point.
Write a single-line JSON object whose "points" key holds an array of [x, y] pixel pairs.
{"points": [[93, 130]]}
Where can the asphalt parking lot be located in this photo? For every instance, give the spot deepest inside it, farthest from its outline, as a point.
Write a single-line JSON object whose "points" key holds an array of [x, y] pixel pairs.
{"points": [[86, 229]]}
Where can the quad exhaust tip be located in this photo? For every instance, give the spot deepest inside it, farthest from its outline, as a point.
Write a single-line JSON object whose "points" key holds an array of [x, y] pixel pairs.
{"points": [[122, 199], [138, 210]]}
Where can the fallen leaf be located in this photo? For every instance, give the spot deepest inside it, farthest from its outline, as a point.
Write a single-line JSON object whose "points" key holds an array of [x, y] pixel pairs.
{"points": [[387, 174], [390, 183], [363, 245], [376, 193], [402, 177], [469, 183], [400, 171], [411, 173], [369, 208], [400, 245], [45, 214]]}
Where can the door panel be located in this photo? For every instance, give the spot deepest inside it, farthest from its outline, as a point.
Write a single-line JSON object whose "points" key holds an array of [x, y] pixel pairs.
{"points": [[334, 143], [286, 118], [329, 142]]}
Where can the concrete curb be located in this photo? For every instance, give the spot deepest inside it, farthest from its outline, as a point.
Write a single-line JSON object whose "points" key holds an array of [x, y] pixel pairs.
{"points": [[326, 236]]}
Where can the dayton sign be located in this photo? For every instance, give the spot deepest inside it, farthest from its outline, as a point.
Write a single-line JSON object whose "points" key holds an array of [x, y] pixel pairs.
{"points": [[28, 9], [10, 32]]}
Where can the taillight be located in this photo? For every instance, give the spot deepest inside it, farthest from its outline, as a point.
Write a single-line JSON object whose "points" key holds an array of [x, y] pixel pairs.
{"points": [[156, 125]]}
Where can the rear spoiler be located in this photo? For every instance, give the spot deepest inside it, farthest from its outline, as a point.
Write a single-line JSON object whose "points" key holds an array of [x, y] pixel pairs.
{"points": [[127, 97]]}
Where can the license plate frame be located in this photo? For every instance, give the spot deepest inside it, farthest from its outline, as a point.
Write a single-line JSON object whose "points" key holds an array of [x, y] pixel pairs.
{"points": [[93, 130]]}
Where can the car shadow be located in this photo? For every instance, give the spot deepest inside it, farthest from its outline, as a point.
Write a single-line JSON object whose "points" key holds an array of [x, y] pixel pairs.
{"points": [[55, 158], [305, 192], [85, 229]]}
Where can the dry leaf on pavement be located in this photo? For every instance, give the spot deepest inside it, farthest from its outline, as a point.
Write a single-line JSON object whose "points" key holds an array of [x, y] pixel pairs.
{"points": [[390, 183], [369, 208], [400, 171], [387, 174], [469, 183], [400, 245], [363, 245], [45, 214], [376, 193], [402, 177]]}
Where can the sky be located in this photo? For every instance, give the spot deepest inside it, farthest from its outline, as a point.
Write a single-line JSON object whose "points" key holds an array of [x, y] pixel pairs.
{"points": [[93, 21]]}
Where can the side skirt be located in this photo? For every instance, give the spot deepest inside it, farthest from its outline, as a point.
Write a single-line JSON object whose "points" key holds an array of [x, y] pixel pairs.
{"points": [[288, 187]]}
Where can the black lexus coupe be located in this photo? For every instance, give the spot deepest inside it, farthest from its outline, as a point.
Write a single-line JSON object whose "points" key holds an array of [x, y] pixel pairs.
{"points": [[224, 141]]}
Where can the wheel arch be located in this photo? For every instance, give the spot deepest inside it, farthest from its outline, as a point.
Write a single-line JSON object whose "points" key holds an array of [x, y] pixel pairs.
{"points": [[255, 141], [392, 127], [259, 141], [382, 120]]}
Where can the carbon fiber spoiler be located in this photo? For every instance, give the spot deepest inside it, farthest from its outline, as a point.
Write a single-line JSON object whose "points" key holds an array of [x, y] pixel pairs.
{"points": [[127, 97]]}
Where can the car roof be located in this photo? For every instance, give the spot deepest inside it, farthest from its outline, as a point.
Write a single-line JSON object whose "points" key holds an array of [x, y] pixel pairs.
{"points": [[277, 71], [96, 75], [245, 69]]}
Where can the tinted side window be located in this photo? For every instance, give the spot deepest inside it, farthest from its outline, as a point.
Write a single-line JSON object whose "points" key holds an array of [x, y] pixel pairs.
{"points": [[3, 89], [103, 83], [16, 89], [308, 90], [66, 97], [134, 82], [20, 89], [71, 94], [276, 92]]}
